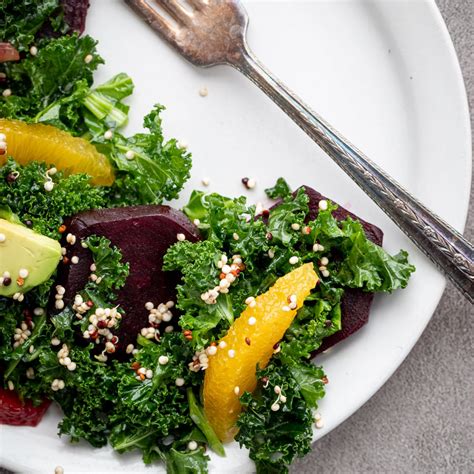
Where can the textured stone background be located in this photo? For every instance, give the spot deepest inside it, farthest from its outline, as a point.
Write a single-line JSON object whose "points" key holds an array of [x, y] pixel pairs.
{"points": [[422, 420]]}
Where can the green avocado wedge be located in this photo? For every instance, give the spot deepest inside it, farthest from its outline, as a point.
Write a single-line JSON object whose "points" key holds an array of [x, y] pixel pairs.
{"points": [[27, 258]]}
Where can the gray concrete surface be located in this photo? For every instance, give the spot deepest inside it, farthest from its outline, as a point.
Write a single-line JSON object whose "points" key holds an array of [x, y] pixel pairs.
{"points": [[422, 419]]}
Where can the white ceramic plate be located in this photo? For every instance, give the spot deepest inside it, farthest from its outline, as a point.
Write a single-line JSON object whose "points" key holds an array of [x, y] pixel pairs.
{"points": [[386, 75]]}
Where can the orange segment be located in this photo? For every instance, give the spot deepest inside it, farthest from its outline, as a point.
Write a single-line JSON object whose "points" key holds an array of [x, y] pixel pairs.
{"points": [[249, 342], [38, 142]]}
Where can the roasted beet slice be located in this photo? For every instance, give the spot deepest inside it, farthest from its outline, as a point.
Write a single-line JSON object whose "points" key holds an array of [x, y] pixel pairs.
{"points": [[14, 411], [143, 234], [75, 12], [355, 304]]}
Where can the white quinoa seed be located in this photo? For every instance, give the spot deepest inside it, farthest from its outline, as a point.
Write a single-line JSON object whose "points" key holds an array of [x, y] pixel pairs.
{"points": [[325, 273], [88, 58], [179, 382], [180, 237], [275, 407], [211, 350], [205, 181], [33, 50], [222, 345], [149, 305], [192, 445], [295, 226], [252, 321], [203, 92], [163, 360], [48, 186], [237, 390], [149, 374], [317, 416], [320, 424], [323, 205], [75, 260], [293, 260], [231, 353], [3, 237], [108, 134], [58, 470], [130, 155], [129, 348], [235, 236], [251, 183], [324, 261], [11, 385], [59, 304], [7, 93], [23, 273]]}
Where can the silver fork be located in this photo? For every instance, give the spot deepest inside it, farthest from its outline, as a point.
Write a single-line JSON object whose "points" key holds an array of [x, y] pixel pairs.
{"points": [[213, 32]]}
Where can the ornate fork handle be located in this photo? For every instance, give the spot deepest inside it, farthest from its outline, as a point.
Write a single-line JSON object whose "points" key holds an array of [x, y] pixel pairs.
{"points": [[444, 246]]}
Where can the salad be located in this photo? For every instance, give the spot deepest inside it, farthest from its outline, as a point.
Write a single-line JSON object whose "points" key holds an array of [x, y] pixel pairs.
{"points": [[167, 331]]}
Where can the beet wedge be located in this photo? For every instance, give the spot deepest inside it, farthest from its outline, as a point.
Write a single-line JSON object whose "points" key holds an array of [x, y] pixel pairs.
{"points": [[143, 234]]}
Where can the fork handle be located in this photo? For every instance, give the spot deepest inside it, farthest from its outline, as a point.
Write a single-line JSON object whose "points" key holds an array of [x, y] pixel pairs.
{"points": [[442, 244]]}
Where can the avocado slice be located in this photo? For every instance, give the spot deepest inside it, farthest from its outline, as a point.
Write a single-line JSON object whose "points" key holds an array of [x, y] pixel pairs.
{"points": [[26, 258]]}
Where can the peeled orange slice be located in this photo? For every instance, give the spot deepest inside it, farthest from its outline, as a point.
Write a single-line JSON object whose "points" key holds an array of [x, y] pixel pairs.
{"points": [[250, 341], [38, 142]]}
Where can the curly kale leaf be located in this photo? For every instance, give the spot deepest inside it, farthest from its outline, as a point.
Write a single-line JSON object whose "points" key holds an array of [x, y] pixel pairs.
{"points": [[276, 438], [157, 171], [320, 317], [154, 414], [197, 264], [37, 81], [113, 272], [292, 210], [230, 224], [21, 21], [367, 265], [44, 211], [281, 189], [178, 462]]}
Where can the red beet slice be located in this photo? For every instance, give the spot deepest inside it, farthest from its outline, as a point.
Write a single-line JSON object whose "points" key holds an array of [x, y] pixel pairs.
{"points": [[14, 411], [143, 234], [355, 304], [75, 12]]}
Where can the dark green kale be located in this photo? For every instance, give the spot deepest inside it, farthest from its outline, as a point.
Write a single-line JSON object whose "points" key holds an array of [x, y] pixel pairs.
{"points": [[37, 81], [113, 272], [280, 190], [178, 462], [277, 420], [153, 414], [22, 190], [197, 264], [20, 22]]}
